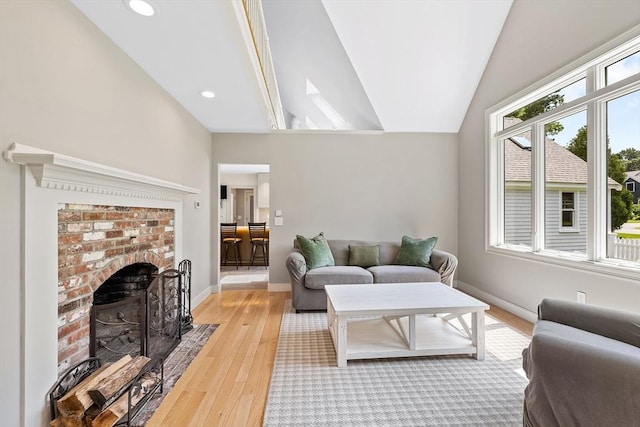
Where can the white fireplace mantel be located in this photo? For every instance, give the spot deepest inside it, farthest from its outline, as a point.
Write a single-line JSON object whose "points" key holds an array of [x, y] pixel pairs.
{"points": [[58, 171], [49, 181]]}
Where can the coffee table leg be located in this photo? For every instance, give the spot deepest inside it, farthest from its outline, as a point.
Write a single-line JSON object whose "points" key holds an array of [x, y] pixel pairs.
{"points": [[341, 341], [412, 332], [477, 326]]}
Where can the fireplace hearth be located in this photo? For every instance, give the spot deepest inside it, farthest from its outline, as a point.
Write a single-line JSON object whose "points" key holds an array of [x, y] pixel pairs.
{"points": [[136, 311]]}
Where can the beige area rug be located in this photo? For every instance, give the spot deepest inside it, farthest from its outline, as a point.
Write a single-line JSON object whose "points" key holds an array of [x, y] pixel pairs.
{"points": [[308, 389]]}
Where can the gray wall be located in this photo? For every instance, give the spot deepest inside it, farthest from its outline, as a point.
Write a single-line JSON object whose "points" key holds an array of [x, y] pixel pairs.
{"points": [[66, 87], [352, 186], [538, 38]]}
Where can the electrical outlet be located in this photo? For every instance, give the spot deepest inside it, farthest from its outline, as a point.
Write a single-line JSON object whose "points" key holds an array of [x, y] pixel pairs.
{"points": [[582, 297]]}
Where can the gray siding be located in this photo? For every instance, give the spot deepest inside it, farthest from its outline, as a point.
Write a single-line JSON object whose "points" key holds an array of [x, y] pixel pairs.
{"points": [[517, 222], [517, 217], [565, 241]]}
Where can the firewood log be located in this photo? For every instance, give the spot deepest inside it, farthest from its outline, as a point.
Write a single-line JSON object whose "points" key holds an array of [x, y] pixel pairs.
{"points": [[72, 421], [77, 400], [120, 407], [106, 389]]}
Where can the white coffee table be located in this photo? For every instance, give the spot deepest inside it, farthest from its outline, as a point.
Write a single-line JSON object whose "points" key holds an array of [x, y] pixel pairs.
{"points": [[403, 320]]}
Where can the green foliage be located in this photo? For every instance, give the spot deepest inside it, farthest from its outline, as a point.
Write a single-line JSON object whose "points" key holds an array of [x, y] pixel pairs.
{"points": [[621, 201], [635, 212], [538, 107], [630, 159], [616, 169], [628, 236], [578, 144]]}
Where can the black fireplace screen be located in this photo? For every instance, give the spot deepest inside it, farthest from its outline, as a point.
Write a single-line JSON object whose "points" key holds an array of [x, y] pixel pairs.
{"points": [[137, 311]]}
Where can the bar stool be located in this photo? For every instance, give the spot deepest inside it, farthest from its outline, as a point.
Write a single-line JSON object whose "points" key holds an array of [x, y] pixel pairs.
{"points": [[258, 239], [230, 239]]}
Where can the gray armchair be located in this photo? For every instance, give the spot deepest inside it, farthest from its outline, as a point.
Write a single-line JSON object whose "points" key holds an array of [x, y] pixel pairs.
{"points": [[583, 366]]}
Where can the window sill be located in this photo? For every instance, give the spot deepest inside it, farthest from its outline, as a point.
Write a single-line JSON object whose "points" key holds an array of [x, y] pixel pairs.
{"points": [[569, 230], [618, 268]]}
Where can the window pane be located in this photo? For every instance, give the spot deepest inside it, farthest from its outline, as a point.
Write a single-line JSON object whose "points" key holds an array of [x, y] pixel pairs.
{"points": [[574, 90], [517, 190], [622, 69], [546, 103], [566, 185], [567, 200], [623, 143]]}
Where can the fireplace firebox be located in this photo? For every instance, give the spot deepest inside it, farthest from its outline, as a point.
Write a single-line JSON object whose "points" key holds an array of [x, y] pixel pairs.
{"points": [[136, 311]]}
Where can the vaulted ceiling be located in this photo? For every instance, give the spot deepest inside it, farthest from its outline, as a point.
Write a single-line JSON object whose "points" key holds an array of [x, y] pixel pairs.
{"points": [[395, 66]]}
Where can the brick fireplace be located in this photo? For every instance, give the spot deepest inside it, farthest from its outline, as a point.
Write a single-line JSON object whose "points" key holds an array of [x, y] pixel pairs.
{"points": [[54, 185], [95, 241]]}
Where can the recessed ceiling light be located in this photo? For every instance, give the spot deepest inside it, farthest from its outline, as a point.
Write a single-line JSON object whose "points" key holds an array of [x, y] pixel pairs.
{"points": [[208, 94], [141, 7]]}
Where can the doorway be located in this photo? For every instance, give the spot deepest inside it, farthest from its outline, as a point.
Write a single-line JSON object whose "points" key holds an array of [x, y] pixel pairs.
{"points": [[246, 187]]}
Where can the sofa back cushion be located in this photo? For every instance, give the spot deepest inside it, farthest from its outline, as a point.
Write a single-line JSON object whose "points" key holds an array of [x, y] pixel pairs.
{"points": [[340, 250], [315, 250]]}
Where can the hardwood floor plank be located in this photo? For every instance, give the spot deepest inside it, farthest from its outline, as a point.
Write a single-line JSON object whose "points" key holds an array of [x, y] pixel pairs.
{"points": [[228, 381]]}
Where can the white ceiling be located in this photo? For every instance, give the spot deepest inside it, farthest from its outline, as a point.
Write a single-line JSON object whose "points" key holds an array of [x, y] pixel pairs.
{"points": [[394, 65]]}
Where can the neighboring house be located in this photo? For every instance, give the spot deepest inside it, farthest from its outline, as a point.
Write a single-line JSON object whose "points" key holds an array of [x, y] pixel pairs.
{"points": [[565, 200], [632, 183]]}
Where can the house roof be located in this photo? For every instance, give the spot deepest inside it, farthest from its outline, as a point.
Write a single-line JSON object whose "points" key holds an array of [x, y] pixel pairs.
{"points": [[562, 166], [634, 175]]}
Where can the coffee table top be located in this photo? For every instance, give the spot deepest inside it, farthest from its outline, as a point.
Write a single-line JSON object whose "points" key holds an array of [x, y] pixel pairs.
{"points": [[400, 298]]}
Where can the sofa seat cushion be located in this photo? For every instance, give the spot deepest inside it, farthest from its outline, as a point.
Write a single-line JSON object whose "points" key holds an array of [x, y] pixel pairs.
{"points": [[403, 274], [336, 275]]}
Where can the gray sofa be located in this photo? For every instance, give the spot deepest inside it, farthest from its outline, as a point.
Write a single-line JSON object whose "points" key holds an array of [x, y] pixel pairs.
{"points": [[583, 366], [307, 286]]}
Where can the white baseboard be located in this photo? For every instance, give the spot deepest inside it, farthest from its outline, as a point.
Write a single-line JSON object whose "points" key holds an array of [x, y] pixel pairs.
{"points": [[279, 287], [491, 299], [203, 295]]}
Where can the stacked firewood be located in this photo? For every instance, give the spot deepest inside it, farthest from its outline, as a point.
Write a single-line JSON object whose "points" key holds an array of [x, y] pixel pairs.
{"points": [[102, 398]]}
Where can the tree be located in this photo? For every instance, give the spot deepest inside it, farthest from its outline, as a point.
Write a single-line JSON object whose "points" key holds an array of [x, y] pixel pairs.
{"points": [[621, 201], [538, 107], [630, 158]]}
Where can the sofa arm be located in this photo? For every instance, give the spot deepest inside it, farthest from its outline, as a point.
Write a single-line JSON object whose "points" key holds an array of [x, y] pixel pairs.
{"points": [[576, 383], [445, 264], [297, 267], [611, 323]]}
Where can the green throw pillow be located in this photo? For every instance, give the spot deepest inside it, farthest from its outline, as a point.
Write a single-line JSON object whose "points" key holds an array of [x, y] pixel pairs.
{"points": [[415, 251], [316, 251], [364, 256]]}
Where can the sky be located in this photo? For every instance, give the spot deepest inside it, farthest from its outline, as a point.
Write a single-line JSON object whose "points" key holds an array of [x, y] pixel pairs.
{"points": [[623, 114]]}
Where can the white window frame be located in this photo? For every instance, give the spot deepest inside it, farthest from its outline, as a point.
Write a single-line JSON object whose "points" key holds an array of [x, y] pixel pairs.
{"points": [[592, 68], [575, 226], [633, 186]]}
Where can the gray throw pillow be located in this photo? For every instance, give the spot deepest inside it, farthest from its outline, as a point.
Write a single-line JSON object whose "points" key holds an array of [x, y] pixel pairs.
{"points": [[364, 256], [415, 252], [316, 251]]}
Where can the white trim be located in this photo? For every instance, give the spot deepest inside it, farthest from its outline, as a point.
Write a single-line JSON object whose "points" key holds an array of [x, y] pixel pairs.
{"points": [[575, 223], [491, 299], [608, 268], [61, 172], [572, 72], [592, 68], [633, 185], [279, 287]]}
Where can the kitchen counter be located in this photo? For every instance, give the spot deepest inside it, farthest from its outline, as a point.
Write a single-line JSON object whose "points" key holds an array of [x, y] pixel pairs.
{"points": [[245, 249]]}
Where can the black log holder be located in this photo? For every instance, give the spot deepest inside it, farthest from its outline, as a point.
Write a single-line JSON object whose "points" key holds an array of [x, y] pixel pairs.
{"points": [[77, 373]]}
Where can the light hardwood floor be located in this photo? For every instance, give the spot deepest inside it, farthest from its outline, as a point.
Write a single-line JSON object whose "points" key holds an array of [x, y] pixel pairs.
{"points": [[227, 383]]}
